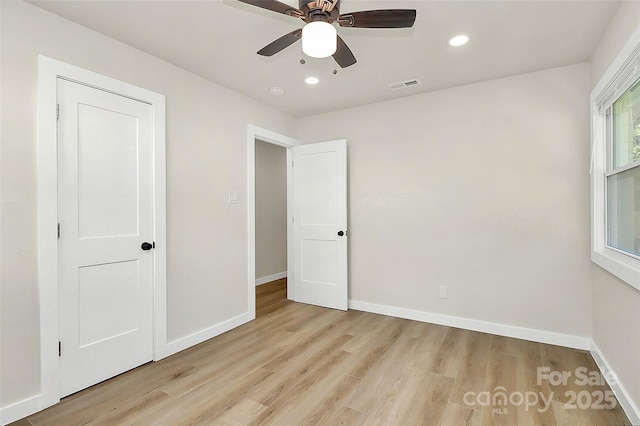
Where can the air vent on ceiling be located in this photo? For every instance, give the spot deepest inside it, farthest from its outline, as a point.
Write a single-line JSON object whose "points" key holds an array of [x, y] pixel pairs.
{"points": [[403, 84]]}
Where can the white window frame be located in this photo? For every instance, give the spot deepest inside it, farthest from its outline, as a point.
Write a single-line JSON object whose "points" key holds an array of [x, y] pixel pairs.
{"points": [[623, 72]]}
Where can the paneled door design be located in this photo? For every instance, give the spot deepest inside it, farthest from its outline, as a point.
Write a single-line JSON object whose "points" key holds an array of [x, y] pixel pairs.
{"points": [[320, 224], [105, 214]]}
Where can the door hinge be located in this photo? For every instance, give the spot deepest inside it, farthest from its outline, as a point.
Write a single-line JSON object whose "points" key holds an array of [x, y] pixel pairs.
{"points": [[58, 231], [57, 111], [59, 348]]}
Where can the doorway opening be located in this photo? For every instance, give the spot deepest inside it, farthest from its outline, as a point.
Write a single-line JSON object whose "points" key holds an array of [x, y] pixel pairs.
{"points": [[268, 267], [270, 226], [317, 247]]}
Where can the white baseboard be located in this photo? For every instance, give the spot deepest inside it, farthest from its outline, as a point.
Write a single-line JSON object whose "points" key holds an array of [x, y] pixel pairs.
{"points": [[269, 278], [631, 410], [21, 409], [541, 336], [183, 343]]}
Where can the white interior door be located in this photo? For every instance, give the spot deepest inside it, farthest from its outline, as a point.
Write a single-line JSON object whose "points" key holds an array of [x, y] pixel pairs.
{"points": [[320, 275], [105, 211]]}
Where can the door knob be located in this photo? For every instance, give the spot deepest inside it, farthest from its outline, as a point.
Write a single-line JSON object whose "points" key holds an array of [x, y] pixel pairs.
{"points": [[146, 246], [340, 233]]}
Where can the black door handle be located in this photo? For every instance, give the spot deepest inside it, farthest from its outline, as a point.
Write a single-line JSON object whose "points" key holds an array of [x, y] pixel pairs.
{"points": [[340, 233], [146, 246]]}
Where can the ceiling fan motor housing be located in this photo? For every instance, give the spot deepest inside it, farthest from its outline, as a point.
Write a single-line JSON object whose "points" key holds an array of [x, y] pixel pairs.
{"points": [[320, 10]]}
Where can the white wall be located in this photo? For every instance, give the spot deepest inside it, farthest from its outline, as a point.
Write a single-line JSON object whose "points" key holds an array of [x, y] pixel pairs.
{"points": [[482, 188], [271, 209], [206, 156], [616, 305]]}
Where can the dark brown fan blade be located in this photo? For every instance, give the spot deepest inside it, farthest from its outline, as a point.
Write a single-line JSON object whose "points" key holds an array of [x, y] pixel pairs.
{"points": [[275, 6], [281, 43], [388, 18], [343, 55]]}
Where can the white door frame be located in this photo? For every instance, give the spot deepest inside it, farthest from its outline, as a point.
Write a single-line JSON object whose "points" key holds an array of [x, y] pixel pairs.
{"points": [[49, 70], [256, 133]]}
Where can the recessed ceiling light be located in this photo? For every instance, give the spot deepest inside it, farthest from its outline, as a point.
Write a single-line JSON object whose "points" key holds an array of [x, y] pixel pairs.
{"points": [[276, 91], [458, 40], [311, 80]]}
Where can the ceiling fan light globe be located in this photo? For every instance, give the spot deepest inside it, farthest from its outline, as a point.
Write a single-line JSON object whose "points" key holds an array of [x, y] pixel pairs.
{"points": [[319, 39]]}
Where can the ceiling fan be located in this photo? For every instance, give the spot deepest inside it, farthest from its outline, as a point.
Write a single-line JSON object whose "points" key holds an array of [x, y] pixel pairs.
{"points": [[319, 15]]}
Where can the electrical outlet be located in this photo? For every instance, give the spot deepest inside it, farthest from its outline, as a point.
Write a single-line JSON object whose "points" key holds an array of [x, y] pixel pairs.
{"points": [[444, 292]]}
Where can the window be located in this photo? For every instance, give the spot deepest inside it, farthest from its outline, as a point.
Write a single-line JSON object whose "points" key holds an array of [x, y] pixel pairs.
{"points": [[623, 174], [615, 167]]}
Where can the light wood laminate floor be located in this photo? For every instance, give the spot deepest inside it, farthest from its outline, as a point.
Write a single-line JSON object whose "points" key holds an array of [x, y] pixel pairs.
{"points": [[301, 365]]}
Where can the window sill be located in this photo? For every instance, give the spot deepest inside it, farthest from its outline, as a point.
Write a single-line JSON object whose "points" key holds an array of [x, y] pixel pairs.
{"points": [[624, 267]]}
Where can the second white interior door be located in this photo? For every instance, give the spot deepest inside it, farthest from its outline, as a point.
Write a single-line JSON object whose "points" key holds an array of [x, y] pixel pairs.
{"points": [[320, 275]]}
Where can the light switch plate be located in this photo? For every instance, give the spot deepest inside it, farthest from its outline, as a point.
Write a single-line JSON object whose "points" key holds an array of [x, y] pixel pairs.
{"points": [[233, 197]]}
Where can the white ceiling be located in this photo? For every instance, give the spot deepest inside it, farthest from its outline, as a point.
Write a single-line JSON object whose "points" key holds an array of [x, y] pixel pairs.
{"points": [[217, 39]]}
